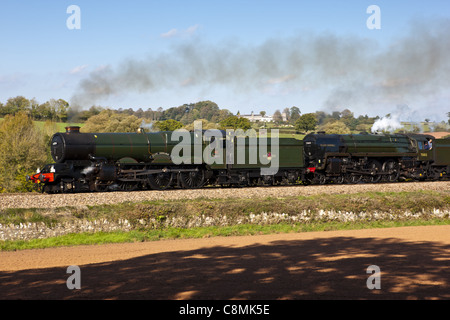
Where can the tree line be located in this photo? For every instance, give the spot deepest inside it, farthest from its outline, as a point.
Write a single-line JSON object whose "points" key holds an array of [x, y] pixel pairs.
{"points": [[56, 110], [126, 120], [59, 110]]}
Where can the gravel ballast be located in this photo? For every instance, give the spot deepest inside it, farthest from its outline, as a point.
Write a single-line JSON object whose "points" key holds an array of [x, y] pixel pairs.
{"points": [[35, 200]]}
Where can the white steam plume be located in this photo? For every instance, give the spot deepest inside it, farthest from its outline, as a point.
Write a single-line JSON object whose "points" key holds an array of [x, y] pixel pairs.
{"points": [[387, 124]]}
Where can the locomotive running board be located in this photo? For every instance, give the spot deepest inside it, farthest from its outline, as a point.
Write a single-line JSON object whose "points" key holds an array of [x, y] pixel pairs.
{"points": [[367, 173], [153, 171]]}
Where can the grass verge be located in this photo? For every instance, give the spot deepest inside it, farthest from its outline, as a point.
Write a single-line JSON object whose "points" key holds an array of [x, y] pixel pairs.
{"points": [[199, 218], [97, 238]]}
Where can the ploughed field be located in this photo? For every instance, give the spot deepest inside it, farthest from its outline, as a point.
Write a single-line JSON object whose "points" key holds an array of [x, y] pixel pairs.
{"points": [[37, 200]]}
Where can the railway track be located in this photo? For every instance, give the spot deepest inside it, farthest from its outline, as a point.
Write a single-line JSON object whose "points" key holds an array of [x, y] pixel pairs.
{"points": [[37, 200]]}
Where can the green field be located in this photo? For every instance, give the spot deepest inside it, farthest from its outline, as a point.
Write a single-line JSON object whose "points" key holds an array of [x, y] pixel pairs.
{"points": [[59, 125]]}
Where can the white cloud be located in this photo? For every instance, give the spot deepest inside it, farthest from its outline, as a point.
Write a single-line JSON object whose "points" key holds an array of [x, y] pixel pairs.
{"points": [[78, 69], [169, 34], [175, 32], [192, 29]]}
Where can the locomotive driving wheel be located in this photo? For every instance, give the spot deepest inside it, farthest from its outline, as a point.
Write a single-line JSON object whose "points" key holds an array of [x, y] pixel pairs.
{"points": [[320, 178], [391, 167], [127, 186], [338, 179], [266, 181], [353, 178], [160, 181], [192, 179], [374, 167]]}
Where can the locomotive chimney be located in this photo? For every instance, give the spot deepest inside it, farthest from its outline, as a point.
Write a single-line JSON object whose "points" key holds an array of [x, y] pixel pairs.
{"points": [[73, 129]]}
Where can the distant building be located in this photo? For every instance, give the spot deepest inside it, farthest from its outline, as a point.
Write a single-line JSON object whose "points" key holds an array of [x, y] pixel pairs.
{"points": [[259, 118], [256, 117]]}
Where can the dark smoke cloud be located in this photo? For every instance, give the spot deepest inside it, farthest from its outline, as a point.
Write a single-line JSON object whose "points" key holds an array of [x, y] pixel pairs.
{"points": [[353, 70]]}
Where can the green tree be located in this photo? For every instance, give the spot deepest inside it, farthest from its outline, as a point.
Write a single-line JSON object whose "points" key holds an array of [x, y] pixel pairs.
{"points": [[205, 125], [287, 112], [235, 122], [61, 108], [335, 127], [43, 112], [277, 117], [336, 115], [168, 125], [34, 109], [23, 150], [188, 113], [16, 104], [207, 109], [306, 122], [83, 115], [295, 114], [111, 121], [221, 115], [349, 120], [321, 117]]}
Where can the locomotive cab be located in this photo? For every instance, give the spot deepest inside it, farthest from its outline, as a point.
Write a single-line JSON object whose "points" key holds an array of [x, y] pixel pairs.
{"points": [[423, 144]]}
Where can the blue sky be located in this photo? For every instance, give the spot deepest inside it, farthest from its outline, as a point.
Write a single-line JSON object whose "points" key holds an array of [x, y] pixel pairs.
{"points": [[43, 59]]}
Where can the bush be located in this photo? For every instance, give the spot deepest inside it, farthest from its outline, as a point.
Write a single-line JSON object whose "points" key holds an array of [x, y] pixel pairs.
{"points": [[111, 121], [23, 150]]}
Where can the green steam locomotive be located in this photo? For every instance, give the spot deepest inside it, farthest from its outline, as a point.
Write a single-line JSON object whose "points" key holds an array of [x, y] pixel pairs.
{"points": [[87, 162]]}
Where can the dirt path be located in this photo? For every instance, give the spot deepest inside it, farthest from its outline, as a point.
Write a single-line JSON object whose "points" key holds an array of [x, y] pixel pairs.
{"points": [[414, 264]]}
